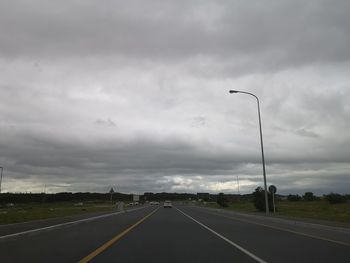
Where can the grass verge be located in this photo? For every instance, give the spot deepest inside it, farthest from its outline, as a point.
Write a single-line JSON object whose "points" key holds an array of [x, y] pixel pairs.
{"points": [[34, 211], [318, 210]]}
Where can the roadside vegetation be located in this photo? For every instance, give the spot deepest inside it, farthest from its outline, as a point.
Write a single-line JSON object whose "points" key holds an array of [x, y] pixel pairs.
{"points": [[16, 213], [23, 207], [332, 207], [317, 209], [15, 208]]}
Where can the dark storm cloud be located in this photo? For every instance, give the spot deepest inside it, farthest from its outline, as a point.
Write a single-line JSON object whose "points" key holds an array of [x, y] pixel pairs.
{"points": [[261, 35], [146, 154]]}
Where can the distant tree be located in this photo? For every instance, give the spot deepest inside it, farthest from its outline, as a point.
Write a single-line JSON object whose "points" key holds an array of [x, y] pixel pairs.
{"points": [[309, 196], [222, 200], [259, 199], [294, 197], [334, 198]]}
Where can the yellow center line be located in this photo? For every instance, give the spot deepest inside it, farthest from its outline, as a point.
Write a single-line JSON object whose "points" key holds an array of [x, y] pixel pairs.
{"points": [[114, 239], [283, 229]]}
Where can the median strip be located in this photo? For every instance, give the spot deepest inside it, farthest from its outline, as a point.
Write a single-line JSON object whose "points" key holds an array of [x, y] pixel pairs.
{"points": [[114, 239], [256, 258]]}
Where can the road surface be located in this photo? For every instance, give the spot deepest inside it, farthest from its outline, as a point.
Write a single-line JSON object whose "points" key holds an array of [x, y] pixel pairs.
{"points": [[178, 234]]}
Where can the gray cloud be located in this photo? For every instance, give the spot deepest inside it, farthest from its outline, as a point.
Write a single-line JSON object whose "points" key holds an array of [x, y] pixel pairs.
{"points": [[107, 122], [135, 95], [261, 36]]}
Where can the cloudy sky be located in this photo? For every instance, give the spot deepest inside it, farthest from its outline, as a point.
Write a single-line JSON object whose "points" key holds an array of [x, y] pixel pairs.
{"points": [[134, 94]]}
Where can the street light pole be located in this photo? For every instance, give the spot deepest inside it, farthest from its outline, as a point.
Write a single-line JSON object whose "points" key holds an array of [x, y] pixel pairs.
{"points": [[262, 146], [2, 168]]}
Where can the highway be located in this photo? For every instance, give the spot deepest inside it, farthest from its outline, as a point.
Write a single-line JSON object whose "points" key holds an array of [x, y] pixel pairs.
{"points": [[178, 234]]}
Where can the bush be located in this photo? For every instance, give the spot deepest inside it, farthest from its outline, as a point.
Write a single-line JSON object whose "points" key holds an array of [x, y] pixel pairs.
{"points": [[222, 200], [309, 196], [334, 198], [293, 198], [259, 199]]}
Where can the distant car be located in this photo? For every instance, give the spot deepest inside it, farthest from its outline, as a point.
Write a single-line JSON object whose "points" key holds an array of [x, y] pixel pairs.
{"points": [[167, 204], [154, 203], [132, 204]]}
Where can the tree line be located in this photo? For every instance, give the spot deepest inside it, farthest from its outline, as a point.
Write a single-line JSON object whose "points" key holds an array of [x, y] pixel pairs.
{"points": [[61, 197], [258, 198], [332, 198]]}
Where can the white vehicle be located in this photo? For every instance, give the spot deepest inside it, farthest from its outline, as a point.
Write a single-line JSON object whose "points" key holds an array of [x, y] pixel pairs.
{"points": [[167, 204], [154, 203]]}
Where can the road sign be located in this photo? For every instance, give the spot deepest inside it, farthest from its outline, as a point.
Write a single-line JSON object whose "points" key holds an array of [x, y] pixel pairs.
{"points": [[272, 189], [136, 198]]}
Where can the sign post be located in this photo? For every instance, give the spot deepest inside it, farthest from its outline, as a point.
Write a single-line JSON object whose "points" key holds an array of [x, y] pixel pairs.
{"points": [[272, 190], [111, 192]]}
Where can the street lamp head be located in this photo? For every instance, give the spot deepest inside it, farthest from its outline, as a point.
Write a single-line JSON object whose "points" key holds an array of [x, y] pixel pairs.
{"points": [[234, 91]]}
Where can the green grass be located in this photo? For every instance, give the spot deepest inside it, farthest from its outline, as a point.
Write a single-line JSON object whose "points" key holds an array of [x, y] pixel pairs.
{"points": [[35, 211], [243, 206], [319, 210], [237, 206]]}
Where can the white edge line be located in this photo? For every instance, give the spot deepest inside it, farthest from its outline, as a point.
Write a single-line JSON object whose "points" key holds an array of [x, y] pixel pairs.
{"points": [[67, 223], [226, 239], [280, 228], [290, 221]]}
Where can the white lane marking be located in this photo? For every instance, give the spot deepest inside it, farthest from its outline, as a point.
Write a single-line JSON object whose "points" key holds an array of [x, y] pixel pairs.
{"points": [[281, 229], [256, 258], [293, 222], [68, 223]]}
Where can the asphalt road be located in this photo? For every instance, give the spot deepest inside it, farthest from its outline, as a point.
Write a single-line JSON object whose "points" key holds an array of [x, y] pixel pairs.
{"points": [[179, 234]]}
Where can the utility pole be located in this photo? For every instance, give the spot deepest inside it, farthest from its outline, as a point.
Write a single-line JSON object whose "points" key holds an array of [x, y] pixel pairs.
{"points": [[2, 168]]}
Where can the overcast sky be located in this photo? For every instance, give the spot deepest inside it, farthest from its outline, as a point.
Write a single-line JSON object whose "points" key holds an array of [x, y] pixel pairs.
{"points": [[134, 95]]}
